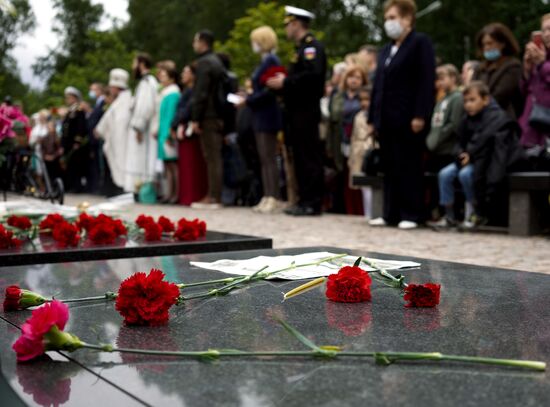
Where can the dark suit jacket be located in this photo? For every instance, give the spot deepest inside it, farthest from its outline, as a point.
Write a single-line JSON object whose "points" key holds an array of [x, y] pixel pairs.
{"points": [[266, 113], [404, 89], [93, 120]]}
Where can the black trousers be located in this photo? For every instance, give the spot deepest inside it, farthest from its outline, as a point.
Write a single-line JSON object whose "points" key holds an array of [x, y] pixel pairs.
{"points": [[402, 151], [303, 138]]}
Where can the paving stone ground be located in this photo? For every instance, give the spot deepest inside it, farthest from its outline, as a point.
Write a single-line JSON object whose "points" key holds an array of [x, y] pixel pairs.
{"points": [[353, 232]]}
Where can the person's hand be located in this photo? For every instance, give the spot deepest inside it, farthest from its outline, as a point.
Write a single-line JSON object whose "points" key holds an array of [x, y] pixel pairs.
{"points": [[155, 135], [196, 127], [139, 137], [464, 159], [417, 125], [180, 132], [277, 82], [243, 95], [527, 63], [370, 130], [536, 55]]}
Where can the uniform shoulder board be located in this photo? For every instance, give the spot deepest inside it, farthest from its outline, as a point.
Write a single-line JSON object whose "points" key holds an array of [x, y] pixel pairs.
{"points": [[309, 39]]}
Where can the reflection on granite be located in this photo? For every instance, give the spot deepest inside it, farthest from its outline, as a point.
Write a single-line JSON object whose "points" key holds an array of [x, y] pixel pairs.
{"points": [[483, 311], [45, 250], [53, 380]]}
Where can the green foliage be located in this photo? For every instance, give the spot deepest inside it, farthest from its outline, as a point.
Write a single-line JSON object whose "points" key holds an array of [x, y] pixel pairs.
{"points": [[455, 40], [13, 24], [107, 51], [75, 19], [165, 28], [238, 46]]}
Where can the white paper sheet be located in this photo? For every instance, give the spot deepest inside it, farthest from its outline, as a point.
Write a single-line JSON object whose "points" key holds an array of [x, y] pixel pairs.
{"points": [[273, 263]]}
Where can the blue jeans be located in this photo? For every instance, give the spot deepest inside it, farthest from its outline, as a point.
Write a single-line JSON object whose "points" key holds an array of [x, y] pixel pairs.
{"points": [[446, 178]]}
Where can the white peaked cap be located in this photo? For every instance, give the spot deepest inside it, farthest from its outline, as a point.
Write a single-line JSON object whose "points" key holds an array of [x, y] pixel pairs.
{"points": [[119, 78], [299, 12], [71, 90]]}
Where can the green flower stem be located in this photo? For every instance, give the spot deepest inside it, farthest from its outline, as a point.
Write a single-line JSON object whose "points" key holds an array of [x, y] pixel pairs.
{"points": [[385, 358], [385, 273], [109, 295], [181, 286]]}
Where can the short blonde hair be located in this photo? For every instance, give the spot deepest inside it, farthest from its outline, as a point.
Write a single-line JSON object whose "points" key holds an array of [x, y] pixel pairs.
{"points": [[449, 70], [352, 69], [406, 8], [265, 37]]}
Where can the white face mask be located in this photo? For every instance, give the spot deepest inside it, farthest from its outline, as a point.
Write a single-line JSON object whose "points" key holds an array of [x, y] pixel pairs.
{"points": [[256, 48], [393, 29]]}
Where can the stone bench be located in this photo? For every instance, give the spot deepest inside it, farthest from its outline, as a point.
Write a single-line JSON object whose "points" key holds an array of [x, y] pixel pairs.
{"points": [[528, 199], [528, 202]]}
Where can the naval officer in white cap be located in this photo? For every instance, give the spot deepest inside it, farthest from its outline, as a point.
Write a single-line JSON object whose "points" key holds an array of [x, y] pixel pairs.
{"points": [[302, 90]]}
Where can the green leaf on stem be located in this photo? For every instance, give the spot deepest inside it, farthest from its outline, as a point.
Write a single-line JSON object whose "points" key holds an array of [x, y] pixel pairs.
{"points": [[382, 359], [357, 262], [306, 341]]}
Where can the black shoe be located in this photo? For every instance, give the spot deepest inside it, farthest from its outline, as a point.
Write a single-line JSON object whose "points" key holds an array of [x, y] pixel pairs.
{"points": [[302, 211]]}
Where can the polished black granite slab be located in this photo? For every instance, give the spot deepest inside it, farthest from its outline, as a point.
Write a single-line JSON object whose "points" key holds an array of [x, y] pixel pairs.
{"points": [[46, 251], [483, 311], [53, 380]]}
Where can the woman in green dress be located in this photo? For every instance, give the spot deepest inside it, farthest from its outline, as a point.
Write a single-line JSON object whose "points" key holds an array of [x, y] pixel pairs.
{"points": [[167, 146]]}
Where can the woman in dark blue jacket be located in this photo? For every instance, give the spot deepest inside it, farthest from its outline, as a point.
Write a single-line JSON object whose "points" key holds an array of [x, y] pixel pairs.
{"points": [[401, 106], [266, 116]]}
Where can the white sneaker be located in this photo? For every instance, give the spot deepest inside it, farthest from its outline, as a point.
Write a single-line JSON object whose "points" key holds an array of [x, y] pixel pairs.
{"points": [[407, 225], [377, 222], [204, 205], [270, 206], [260, 205]]}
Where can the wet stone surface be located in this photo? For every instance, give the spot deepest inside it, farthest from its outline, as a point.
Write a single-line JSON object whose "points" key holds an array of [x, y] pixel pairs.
{"points": [[486, 312]]}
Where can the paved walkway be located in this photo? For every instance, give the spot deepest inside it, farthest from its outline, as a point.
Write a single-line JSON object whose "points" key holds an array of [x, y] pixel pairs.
{"points": [[353, 232]]}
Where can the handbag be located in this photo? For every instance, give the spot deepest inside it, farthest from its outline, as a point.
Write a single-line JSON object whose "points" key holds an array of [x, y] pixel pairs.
{"points": [[372, 162], [539, 118], [147, 193]]}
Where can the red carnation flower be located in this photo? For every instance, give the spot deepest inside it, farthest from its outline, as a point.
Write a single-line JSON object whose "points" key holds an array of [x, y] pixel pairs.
{"points": [[7, 241], [422, 295], [66, 234], [350, 284], [143, 220], [85, 221], [271, 73], [103, 233], [186, 231], [153, 232], [21, 222], [146, 299], [51, 220], [120, 229], [201, 227], [166, 224]]}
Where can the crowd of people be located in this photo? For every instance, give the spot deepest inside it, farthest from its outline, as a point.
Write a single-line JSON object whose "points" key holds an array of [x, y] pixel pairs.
{"points": [[290, 140]]}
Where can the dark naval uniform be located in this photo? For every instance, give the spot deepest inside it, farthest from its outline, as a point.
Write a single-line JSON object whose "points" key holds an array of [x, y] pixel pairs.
{"points": [[302, 91], [74, 140]]}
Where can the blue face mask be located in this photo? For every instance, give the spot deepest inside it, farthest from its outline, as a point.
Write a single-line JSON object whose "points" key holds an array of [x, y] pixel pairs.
{"points": [[92, 95], [492, 54]]}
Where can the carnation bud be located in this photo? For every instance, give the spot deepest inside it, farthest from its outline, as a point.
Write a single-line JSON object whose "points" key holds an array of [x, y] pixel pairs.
{"points": [[20, 299]]}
